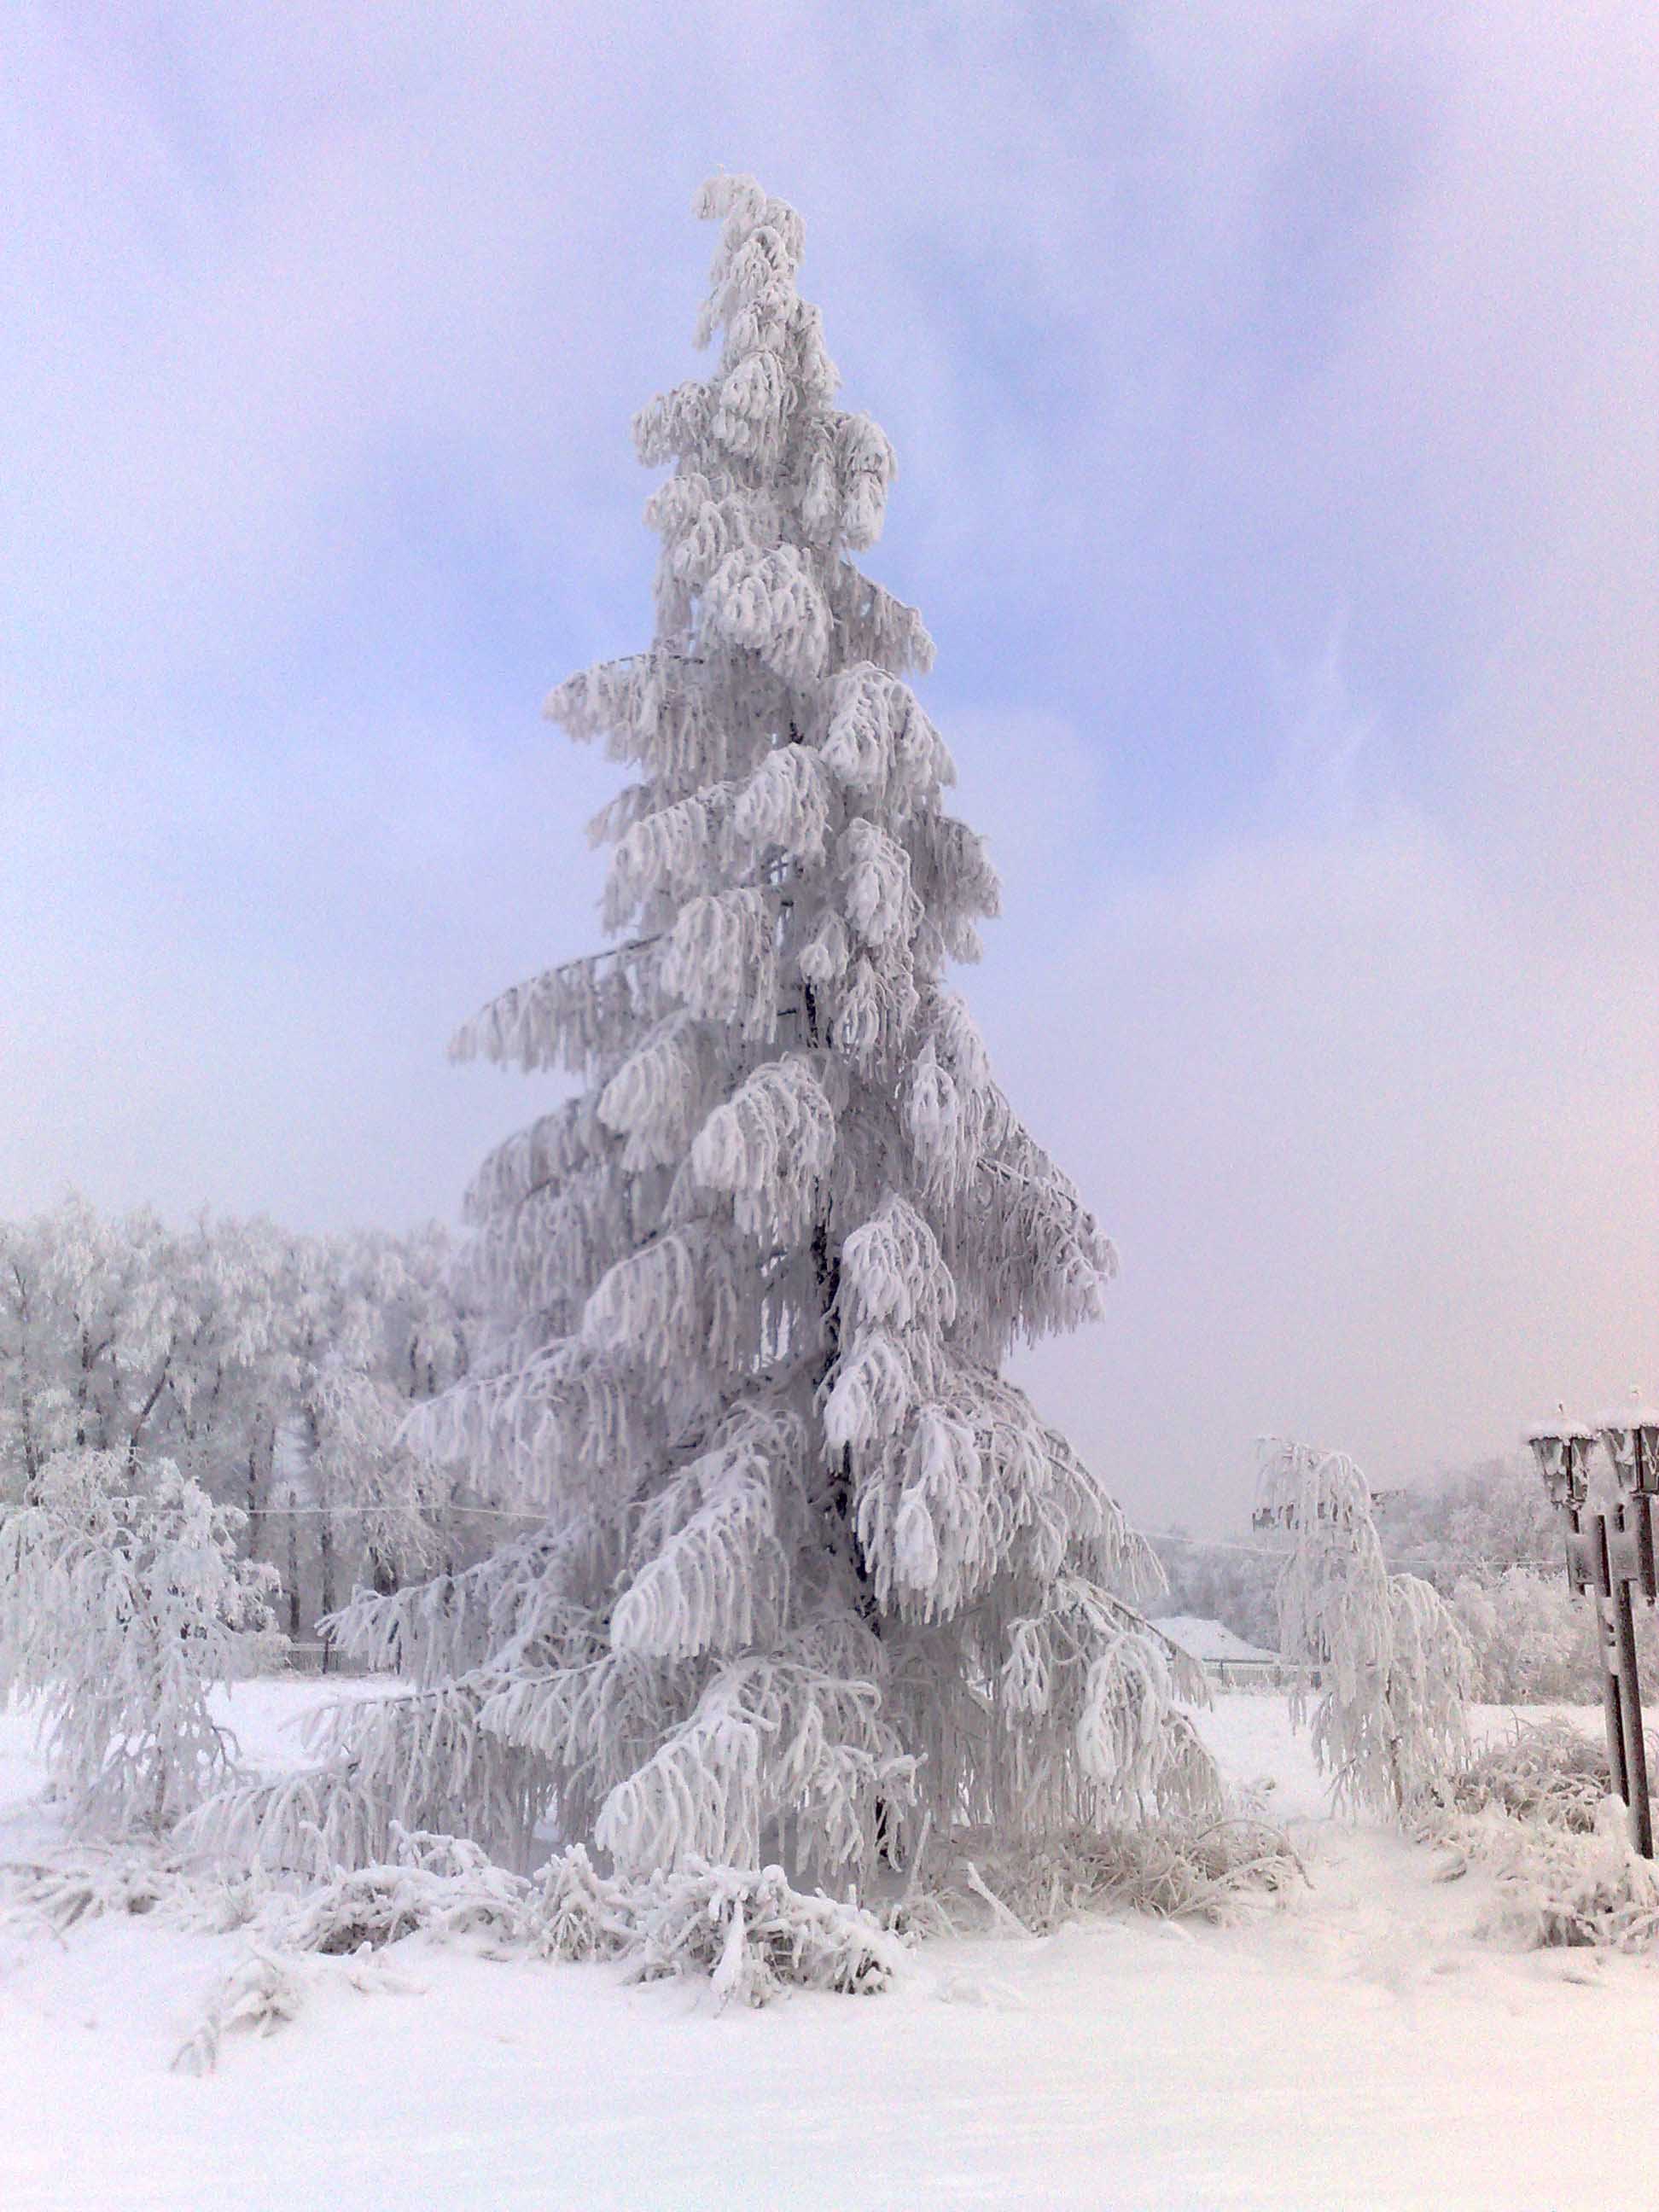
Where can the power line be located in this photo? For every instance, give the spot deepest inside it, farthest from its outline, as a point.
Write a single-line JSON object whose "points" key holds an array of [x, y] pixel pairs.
{"points": [[342, 1512], [1395, 1559]]}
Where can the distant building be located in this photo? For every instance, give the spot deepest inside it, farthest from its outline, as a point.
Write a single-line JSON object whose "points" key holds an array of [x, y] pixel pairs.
{"points": [[1221, 1654]]}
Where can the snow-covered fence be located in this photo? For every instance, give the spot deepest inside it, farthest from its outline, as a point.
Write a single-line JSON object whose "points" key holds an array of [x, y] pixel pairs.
{"points": [[322, 1657]]}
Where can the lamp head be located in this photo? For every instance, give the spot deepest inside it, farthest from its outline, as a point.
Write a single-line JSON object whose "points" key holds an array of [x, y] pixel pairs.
{"points": [[1632, 1437], [1560, 1450]]}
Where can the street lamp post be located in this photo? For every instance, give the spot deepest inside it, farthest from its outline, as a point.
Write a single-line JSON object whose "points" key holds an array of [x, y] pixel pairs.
{"points": [[1608, 1554]]}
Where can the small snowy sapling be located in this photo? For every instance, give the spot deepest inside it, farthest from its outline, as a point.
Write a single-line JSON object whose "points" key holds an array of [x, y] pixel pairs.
{"points": [[1394, 1669], [121, 1597]]}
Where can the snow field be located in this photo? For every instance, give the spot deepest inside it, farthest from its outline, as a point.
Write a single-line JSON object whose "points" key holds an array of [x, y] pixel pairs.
{"points": [[1355, 2048]]}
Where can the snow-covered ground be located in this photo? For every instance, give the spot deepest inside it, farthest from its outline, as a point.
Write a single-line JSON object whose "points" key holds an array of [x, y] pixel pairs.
{"points": [[1356, 2047]]}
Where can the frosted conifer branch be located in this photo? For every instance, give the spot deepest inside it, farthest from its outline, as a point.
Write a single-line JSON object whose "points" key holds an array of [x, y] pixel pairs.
{"points": [[721, 960], [767, 1145], [653, 1098], [562, 1143], [569, 1017], [717, 1574]]}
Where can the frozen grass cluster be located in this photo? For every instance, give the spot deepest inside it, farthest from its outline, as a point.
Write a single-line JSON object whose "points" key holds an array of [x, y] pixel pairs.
{"points": [[1190, 1868], [746, 1932], [1560, 1886], [1534, 1811], [1544, 1771]]}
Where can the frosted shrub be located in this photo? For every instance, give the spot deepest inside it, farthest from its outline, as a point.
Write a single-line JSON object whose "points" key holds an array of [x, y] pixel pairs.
{"points": [[1547, 1771], [1394, 1669], [434, 1885], [811, 1573], [747, 1930], [60, 1895], [260, 1994], [121, 1600], [1576, 1891], [1556, 1886], [747, 1933], [267, 1989], [1534, 1811]]}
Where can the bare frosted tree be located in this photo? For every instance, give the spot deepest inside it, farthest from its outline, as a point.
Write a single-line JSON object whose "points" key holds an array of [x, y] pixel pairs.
{"points": [[121, 1598], [1394, 1668]]}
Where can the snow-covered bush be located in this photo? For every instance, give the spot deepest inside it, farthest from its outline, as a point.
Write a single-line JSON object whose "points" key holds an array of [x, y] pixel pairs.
{"points": [[1556, 1888], [1393, 1668], [1534, 1811], [121, 1600], [267, 1989], [811, 1572], [1558, 1884], [432, 1884], [747, 1933], [746, 1929], [58, 1894], [1545, 1772]]}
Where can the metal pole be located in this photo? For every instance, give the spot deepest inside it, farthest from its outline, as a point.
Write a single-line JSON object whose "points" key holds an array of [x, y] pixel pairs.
{"points": [[1607, 1552], [1630, 1709], [1613, 1700], [1636, 1750]]}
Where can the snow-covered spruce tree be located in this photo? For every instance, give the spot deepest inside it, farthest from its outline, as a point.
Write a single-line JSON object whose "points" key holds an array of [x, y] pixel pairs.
{"points": [[813, 1576], [1395, 1668]]}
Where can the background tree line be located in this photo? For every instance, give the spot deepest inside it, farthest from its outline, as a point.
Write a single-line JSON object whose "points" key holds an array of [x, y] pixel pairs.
{"points": [[274, 1369]]}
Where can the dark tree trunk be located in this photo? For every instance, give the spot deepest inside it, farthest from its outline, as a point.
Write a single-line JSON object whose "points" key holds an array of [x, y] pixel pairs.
{"points": [[292, 1573]]}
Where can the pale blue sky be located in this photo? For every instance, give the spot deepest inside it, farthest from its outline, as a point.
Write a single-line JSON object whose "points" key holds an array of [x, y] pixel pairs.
{"points": [[1275, 388]]}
